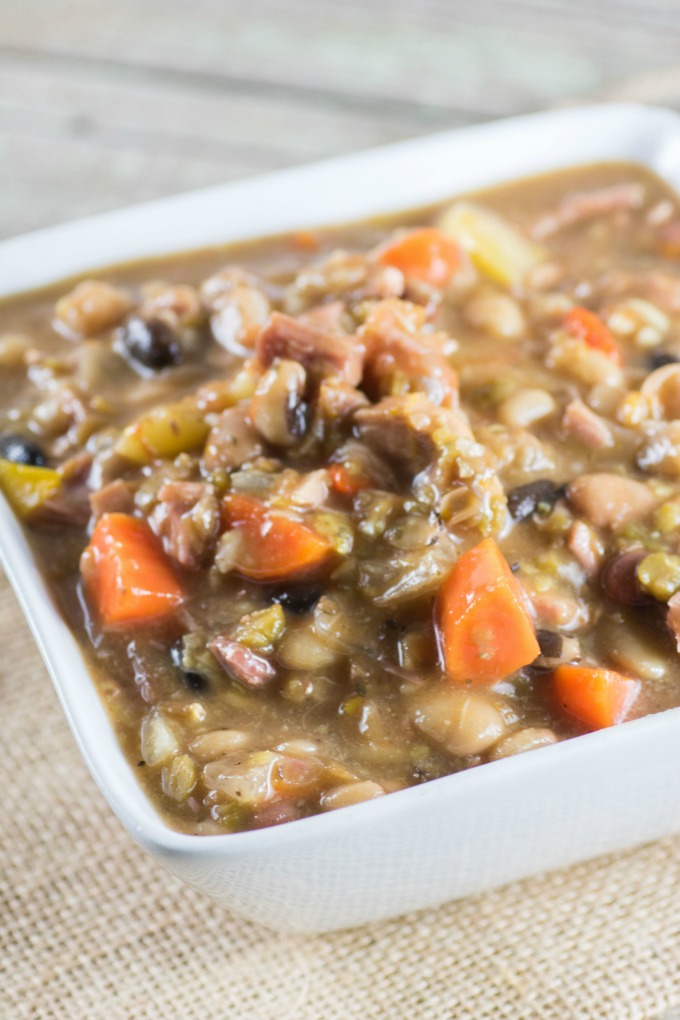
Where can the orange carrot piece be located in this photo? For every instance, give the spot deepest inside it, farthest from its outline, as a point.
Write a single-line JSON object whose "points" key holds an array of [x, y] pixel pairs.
{"points": [[484, 628], [346, 482], [274, 547], [425, 254], [596, 697], [591, 329], [127, 573]]}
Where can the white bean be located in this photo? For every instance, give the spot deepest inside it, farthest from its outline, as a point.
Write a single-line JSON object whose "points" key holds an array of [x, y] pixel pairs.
{"points": [[526, 407], [463, 722]]}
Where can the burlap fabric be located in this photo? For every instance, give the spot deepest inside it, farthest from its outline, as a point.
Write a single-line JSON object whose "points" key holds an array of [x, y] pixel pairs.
{"points": [[92, 929]]}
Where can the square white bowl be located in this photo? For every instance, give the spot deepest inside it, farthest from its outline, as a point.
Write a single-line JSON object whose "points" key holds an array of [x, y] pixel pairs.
{"points": [[454, 836]]}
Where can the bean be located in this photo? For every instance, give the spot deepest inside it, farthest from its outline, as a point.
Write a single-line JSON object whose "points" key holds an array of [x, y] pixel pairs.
{"points": [[540, 495], [523, 740], [150, 342], [91, 307], [302, 648], [299, 600], [277, 409], [632, 651], [619, 578], [350, 793], [496, 314], [216, 743], [526, 407], [20, 450], [462, 722], [609, 501]]}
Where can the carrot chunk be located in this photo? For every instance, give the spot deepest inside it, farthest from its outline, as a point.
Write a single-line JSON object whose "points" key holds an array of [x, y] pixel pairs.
{"points": [[587, 326], [127, 572], [425, 254], [274, 547], [596, 697], [484, 629], [346, 482]]}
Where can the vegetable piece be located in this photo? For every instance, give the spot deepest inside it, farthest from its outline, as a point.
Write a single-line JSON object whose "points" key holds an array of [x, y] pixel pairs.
{"points": [[163, 432], [497, 249], [659, 574], [587, 326], [274, 547], [346, 482], [425, 254], [27, 487], [596, 697], [484, 628], [127, 572]]}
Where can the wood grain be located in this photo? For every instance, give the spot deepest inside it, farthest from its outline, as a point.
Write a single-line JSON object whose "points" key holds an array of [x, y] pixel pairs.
{"points": [[103, 104]]}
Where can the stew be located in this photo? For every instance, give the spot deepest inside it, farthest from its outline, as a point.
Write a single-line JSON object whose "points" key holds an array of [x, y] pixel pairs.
{"points": [[344, 511]]}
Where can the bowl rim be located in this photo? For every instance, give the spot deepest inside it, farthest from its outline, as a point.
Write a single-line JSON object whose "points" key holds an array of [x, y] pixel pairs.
{"points": [[32, 260]]}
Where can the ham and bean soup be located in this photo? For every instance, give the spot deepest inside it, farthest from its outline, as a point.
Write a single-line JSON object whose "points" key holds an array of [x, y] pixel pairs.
{"points": [[338, 513]]}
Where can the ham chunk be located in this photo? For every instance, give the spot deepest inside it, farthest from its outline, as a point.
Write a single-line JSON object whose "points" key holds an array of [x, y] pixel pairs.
{"points": [[232, 442], [319, 352], [399, 354], [241, 663], [187, 520], [586, 426], [587, 205], [405, 428], [116, 497], [673, 618]]}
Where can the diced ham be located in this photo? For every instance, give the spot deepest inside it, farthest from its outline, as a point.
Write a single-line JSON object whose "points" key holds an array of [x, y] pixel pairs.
{"points": [[187, 520], [233, 441], [555, 608], [397, 352], [587, 205], [319, 352], [116, 497], [241, 663], [585, 546], [326, 317], [587, 426], [404, 428], [673, 617]]}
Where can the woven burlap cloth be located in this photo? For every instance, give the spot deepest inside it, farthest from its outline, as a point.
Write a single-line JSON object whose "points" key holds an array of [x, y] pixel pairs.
{"points": [[92, 929]]}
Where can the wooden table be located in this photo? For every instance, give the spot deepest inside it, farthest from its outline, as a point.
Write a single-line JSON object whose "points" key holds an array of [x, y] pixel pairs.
{"points": [[102, 104]]}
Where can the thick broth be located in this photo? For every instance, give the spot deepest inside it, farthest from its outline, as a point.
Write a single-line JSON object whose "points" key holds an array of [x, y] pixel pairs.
{"points": [[330, 681]]}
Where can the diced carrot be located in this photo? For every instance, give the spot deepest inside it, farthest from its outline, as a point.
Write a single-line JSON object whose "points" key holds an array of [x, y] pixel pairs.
{"points": [[305, 240], [484, 628], [346, 482], [425, 254], [127, 573], [274, 547], [596, 697], [591, 329]]}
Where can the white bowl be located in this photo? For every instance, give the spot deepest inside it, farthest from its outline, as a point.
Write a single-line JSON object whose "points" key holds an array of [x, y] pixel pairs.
{"points": [[453, 836]]}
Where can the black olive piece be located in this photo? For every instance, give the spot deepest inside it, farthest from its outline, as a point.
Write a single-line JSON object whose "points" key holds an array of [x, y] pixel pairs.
{"points": [[151, 342], [20, 450], [541, 495], [299, 600], [657, 359]]}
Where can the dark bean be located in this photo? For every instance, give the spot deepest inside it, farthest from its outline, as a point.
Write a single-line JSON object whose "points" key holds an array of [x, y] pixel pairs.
{"points": [[619, 578], [20, 450], [190, 677], [540, 496], [150, 342], [298, 600], [657, 359]]}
